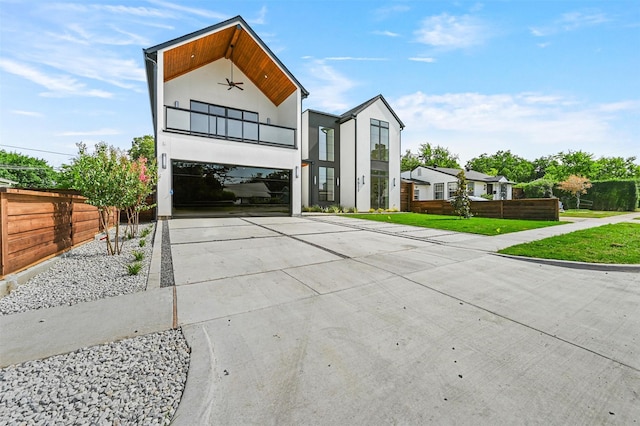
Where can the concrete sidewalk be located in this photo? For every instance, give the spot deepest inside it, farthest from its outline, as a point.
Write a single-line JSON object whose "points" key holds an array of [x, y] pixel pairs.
{"points": [[332, 320]]}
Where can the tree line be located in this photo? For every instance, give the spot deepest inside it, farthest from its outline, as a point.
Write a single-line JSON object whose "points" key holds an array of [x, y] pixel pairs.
{"points": [[557, 167]]}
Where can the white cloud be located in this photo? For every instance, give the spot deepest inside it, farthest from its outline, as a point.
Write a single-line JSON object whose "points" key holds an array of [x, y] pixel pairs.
{"points": [[57, 86], [330, 85], [204, 13], [353, 58], [529, 124], [27, 113], [100, 132], [386, 33], [422, 59], [386, 12], [136, 11], [569, 22], [453, 32], [261, 19]]}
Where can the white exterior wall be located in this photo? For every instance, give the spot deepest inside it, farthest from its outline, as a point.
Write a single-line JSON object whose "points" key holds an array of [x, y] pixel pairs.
{"points": [[201, 84], [348, 184], [377, 111], [304, 149]]}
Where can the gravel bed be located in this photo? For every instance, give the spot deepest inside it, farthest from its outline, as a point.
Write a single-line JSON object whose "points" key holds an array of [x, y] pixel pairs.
{"points": [[133, 381], [83, 274], [166, 271]]}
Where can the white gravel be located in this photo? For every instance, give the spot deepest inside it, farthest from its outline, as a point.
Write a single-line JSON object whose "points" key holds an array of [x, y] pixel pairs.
{"points": [[83, 274], [133, 381]]}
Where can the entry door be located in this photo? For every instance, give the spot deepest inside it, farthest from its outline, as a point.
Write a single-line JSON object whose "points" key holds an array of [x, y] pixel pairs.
{"points": [[379, 190]]}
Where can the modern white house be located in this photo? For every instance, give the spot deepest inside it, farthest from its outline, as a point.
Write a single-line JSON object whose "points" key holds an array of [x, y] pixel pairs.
{"points": [[227, 118], [231, 137], [440, 183], [352, 159]]}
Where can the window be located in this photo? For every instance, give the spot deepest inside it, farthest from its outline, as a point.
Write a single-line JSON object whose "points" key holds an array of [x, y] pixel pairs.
{"points": [[451, 187], [326, 184], [379, 140], [379, 189], [416, 194], [471, 188], [438, 191], [326, 144]]}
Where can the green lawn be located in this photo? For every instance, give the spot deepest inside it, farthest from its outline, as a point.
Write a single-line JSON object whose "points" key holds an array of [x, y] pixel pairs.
{"points": [[616, 243], [591, 214], [475, 225]]}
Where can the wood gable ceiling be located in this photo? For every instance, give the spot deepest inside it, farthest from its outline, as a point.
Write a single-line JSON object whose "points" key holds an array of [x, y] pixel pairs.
{"points": [[248, 56]]}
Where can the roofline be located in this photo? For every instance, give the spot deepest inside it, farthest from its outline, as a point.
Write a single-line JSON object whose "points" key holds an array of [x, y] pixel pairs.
{"points": [[315, 111], [355, 111], [237, 20]]}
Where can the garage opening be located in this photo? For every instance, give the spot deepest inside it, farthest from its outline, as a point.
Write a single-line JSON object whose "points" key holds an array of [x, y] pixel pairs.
{"points": [[213, 190]]}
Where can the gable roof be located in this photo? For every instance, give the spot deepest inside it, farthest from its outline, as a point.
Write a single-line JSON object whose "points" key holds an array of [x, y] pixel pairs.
{"points": [[232, 39], [469, 174], [352, 113]]}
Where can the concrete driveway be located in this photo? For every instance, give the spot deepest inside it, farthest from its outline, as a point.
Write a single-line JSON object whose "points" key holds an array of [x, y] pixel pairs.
{"points": [[339, 321]]}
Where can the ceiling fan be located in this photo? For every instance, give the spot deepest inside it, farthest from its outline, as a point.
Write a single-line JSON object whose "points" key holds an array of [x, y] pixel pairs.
{"points": [[230, 82]]}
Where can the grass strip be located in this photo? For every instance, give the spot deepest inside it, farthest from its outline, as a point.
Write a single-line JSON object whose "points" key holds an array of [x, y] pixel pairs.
{"points": [[590, 214], [474, 225], [617, 243]]}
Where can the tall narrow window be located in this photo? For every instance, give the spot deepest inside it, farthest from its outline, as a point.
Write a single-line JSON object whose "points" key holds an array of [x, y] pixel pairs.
{"points": [[438, 191], [326, 184], [379, 135], [326, 144]]}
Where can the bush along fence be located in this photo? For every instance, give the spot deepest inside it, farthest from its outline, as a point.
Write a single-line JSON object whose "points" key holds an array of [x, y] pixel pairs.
{"points": [[35, 226], [527, 208]]}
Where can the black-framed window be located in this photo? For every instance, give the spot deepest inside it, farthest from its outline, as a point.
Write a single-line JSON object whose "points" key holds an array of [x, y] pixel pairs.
{"points": [[326, 184], [326, 143], [379, 135], [223, 121]]}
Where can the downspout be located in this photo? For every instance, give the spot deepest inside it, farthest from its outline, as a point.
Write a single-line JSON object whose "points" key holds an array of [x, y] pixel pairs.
{"points": [[154, 114]]}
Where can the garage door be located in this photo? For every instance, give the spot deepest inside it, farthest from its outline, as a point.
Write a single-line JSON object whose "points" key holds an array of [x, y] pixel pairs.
{"points": [[209, 189]]}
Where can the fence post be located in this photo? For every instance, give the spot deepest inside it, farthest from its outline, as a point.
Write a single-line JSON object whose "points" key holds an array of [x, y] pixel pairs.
{"points": [[4, 244]]}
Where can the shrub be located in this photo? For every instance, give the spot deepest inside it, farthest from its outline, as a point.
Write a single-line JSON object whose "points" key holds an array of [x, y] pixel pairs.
{"points": [[539, 188], [621, 195], [146, 231], [134, 268], [142, 242], [138, 255]]}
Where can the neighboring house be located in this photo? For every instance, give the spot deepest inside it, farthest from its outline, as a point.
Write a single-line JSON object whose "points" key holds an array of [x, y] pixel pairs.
{"points": [[440, 183], [353, 159], [226, 112]]}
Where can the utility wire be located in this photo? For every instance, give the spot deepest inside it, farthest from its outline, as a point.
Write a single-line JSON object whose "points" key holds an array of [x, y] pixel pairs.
{"points": [[39, 150]]}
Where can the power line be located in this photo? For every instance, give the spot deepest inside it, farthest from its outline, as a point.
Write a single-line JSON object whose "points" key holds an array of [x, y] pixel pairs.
{"points": [[39, 150]]}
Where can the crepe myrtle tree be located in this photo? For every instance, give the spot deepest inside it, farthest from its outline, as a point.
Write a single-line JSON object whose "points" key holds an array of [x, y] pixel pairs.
{"points": [[111, 182], [460, 201], [575, 185]]}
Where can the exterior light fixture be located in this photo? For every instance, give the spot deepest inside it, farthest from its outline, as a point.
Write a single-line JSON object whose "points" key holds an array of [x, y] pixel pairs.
{"points": [[164, 160], [362, 180], [394, 182], [176, 104], [297, 171]]}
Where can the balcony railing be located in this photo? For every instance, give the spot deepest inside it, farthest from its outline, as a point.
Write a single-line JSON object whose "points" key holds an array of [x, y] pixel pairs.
{"points": [[224, 127]]}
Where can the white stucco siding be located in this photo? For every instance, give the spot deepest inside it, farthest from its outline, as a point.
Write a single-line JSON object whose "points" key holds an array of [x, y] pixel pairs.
{"points": [[378, 111], [202, 85], [347, 164]]}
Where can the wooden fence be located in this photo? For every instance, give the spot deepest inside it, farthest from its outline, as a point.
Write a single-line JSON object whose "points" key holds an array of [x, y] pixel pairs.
{"points": [[526, 208], [35, 226]]}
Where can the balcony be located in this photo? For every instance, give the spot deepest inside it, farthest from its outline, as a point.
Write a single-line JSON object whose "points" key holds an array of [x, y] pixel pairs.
{"points": [[227, 123]]}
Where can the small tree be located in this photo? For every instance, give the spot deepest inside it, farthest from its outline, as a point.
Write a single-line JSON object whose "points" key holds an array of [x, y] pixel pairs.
{"points": [[575, 185], [461, 203]]}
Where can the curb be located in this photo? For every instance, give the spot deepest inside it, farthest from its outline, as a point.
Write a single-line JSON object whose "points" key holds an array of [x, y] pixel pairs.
{"points": [[12, 281], [155, 266], [610, 267]]}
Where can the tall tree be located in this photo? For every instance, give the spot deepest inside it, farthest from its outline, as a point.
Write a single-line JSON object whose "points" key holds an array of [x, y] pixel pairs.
{"points": [[578, 163], [143, 147], [436, 155], [28, 172], [409, 161], [606, 168], [506, 164], [461, 203]]}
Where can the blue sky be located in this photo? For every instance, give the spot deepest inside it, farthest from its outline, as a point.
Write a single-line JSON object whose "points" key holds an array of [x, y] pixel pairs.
{"points": [[533, 77]]}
